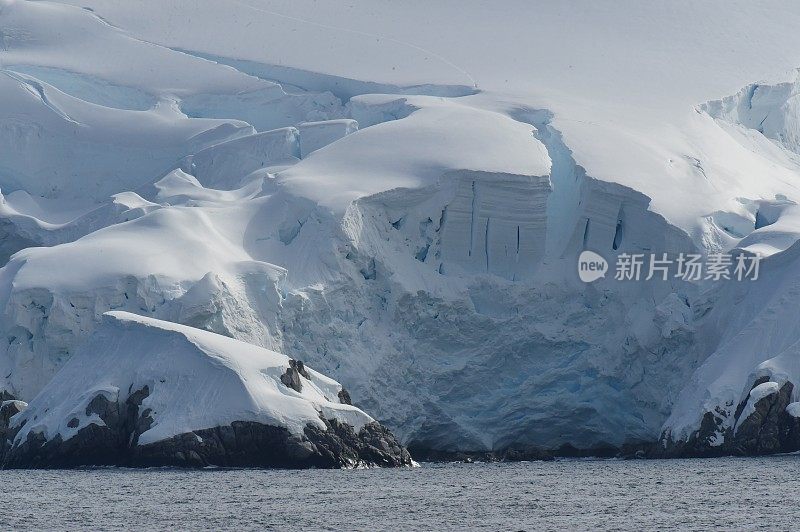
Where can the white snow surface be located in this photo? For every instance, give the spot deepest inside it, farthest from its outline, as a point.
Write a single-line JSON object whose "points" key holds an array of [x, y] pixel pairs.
{"points": [[196, 379], [623, 79], [316, 135], [199, 163]]}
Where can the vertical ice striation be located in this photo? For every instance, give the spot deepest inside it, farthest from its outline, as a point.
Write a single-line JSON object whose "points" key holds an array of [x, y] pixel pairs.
{"points": [[496, 223]]}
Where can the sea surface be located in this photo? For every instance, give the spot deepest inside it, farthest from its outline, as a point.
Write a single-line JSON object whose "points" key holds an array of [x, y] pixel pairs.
{"points": [[724, 493]]}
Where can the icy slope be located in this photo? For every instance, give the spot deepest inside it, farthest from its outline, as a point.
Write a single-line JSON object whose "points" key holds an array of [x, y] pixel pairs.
{"points": [[179, 380], [62, 147], [176, 250], [751, 329], [622, 79], [756, 344]]}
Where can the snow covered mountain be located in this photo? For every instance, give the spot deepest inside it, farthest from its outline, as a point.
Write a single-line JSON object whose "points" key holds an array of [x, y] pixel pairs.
{"points": [[398, 195]]}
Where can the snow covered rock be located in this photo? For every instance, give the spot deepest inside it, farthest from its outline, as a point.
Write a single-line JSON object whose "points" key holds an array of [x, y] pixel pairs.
{"points": [[8, 409], [761, 424], [148, 392]]}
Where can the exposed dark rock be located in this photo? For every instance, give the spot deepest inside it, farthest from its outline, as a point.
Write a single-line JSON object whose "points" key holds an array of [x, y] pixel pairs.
{"points": [[701, 443], [341, 446], [135, 424], [301, 368], [8, 409], [344, 397], [92, 445], [248, 444], [240, 444], [291, 378], [768, 429], [105, 409]]}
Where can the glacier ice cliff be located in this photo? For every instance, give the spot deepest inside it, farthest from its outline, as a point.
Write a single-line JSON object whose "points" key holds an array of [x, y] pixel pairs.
{"points": [[400, 227]]}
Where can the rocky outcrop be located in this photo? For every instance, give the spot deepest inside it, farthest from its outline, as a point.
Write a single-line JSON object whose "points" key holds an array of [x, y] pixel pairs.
{"points": [[293, 373], [146, 392], [342, 446], [8, 409], [115, 442], [249, 444], [344, 397], [767, 428], [94, 444], [763, 423]]}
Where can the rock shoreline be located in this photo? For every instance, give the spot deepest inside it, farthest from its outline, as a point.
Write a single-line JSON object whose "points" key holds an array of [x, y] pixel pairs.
{"points": [[240, 444], [767, 428], [760, 426]]}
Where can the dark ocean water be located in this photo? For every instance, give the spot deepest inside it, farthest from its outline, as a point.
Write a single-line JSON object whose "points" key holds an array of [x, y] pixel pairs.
{"points": [[726, 493]]}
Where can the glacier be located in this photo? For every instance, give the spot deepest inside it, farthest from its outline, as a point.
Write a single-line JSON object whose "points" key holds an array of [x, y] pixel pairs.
{"points": [[408, 221]]}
